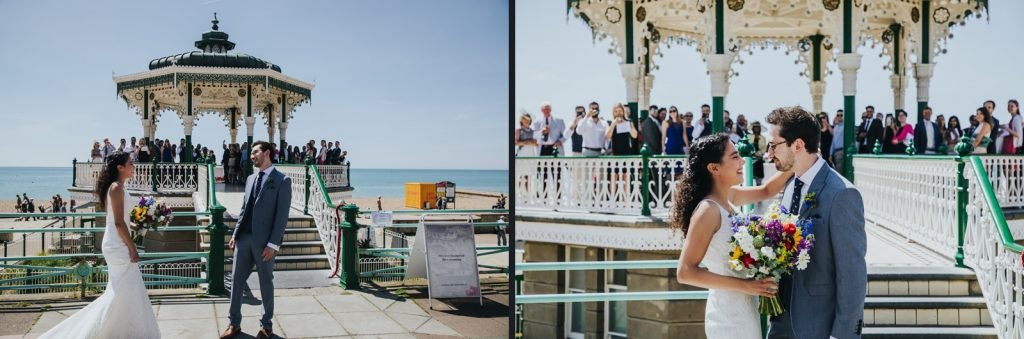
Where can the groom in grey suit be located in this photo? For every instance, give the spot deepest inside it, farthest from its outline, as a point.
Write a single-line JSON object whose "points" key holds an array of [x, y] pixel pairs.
{"points": [[258, 236], [826, 300]]}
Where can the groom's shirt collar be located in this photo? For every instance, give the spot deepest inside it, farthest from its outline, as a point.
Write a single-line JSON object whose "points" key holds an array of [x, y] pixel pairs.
{"points": [[807, 178]]}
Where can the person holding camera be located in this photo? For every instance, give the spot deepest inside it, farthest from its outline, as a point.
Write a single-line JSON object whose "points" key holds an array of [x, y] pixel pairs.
{"points": [[577, 139], [592, 128], [551, 131]]}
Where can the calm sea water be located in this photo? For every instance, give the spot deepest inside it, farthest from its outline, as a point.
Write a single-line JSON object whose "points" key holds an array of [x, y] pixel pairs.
{"points": [[44, 182]]}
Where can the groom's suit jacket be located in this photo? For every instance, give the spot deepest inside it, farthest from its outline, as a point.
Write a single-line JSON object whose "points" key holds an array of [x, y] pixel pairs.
{"points": [[827, 298], [270, 212]]}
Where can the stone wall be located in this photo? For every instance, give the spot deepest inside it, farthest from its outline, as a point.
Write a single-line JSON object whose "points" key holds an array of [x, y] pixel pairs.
{"points": [[543, 320]]}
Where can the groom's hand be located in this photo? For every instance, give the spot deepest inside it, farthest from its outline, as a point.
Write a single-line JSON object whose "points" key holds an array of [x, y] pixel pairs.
{"points": [[268, 253], [231, 243]]}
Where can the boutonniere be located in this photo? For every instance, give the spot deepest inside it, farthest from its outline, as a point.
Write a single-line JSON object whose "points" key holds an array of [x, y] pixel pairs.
{"points": [[810, 201]]}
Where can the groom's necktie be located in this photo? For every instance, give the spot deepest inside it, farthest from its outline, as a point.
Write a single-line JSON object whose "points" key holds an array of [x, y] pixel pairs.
{"points": [[249, 204], [794, 206]]}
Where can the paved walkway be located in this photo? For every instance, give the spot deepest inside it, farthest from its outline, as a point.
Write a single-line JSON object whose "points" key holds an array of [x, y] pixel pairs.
{"points": [[887, 248], [299, 313]]}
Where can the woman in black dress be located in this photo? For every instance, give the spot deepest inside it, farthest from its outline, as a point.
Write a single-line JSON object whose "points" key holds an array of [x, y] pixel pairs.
{"points": [[825, 146], [621, 132], [890, 132]]}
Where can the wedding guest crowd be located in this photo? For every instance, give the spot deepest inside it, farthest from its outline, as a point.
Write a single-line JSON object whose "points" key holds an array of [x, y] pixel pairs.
{"points": [[234, 157]]}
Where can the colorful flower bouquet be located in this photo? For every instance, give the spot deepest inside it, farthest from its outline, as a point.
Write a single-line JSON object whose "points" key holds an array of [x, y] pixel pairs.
{"points": [[770, 245], [149, 214]]}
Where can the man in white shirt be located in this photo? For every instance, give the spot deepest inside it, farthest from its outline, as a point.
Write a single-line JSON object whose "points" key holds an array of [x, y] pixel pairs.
{"points": [[926, 134], [592, 128], [552, 131], [131, 150]]}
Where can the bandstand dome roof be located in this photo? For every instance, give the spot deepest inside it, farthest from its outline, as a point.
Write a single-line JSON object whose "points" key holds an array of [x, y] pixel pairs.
{"points": [[213, 53]]}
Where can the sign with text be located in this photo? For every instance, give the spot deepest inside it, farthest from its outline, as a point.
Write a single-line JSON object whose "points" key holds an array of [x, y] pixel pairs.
{"points": [[451, 261], [383, 219]]}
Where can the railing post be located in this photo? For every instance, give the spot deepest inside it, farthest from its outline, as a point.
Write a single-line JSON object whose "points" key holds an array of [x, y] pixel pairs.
{"points": [[746, 151], [305, 208], [74, 172], [215, 264], [645, 181], [911, 149], [348, 174], [963, 149], [153, 174], [349, 250], [519, 307], [878, 148]]}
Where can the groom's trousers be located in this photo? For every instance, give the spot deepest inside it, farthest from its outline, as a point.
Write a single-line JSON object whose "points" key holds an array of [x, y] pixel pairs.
{"points": [[247, 254]]}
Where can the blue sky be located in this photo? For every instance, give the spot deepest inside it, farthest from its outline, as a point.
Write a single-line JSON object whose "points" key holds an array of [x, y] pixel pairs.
{"points": [[402, 84], [557, 61]]}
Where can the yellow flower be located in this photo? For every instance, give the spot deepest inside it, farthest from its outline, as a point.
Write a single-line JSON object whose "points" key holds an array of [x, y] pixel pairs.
{"points": [[736, 253], [773, 216]]}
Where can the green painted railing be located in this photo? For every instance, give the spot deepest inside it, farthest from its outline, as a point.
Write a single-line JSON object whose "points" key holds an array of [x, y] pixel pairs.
{"points": [[403, 254]]}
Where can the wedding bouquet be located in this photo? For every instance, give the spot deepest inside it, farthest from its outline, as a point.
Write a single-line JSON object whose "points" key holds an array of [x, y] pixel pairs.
{"points": [[149, 214], [770, 245]]}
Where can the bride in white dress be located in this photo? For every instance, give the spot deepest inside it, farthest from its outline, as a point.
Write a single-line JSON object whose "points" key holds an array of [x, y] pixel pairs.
{"points": [[704, 201], [123, 310]]}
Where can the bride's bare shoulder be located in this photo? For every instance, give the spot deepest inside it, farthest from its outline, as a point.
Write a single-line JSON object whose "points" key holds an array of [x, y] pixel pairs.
{"points": [[116, 188], [705, 218]]}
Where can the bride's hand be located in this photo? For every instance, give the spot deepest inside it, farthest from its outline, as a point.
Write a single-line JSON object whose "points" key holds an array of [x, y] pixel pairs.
{"points": [[134, 254], [766, 287]]}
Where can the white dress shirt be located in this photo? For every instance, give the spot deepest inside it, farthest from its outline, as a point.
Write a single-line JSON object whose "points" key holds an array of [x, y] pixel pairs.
{"points": [[592, 132], [807, 178]]}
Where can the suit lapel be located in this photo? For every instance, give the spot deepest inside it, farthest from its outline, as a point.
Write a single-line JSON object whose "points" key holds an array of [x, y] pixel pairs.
{"points": [[270, 179], [816, 185]]}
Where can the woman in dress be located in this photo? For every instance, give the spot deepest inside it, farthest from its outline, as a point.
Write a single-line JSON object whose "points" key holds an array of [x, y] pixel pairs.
{"points": [[621, 132], [890, 132], [526, 143], [123, 310], [1014, 129], [687, 131], [95, 154], [704, 200], [952, 134], [905, 133], [825, 146], [672, 129], [981, 133]]}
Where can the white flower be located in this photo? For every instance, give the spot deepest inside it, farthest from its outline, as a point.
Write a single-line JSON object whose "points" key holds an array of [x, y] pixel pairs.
{"points": [[736, 264], [768, 252], [151, 211], [802, 259], [764, 270]]}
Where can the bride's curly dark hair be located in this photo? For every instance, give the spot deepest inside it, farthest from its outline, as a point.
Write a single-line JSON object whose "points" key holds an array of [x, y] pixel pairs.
{"points": [[108, 175], [695, 183]]}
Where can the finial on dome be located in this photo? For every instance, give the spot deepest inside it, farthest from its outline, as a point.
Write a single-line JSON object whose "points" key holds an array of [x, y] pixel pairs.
{"points": [[215, 21]]}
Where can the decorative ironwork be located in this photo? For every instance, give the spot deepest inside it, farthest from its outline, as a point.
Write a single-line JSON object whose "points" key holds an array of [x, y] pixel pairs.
{"points": [[887, 36], [941, 15], [915, 14], [831, 5], [804, 44], [144, 83], [735, 5], [613, 14], [641, 14]]}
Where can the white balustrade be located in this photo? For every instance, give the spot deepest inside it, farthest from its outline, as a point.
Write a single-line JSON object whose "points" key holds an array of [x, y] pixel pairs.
{"points": [[665, 172], [324, 216], [998, 269], [200, 196], [334, 176], [915, 197], [594, 184], [171, 177], [298, 176], [1006, 174]]}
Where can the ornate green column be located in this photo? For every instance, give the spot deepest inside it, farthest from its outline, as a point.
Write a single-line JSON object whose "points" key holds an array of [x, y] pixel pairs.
{"points": [[924, 69], [817, 83], [188, 122], [645, 181], [746, 151], [849, 63], [349, 249], [215, 264], [898, 78], [718, 68], [631, 70], [963, 149], [250, 121]]}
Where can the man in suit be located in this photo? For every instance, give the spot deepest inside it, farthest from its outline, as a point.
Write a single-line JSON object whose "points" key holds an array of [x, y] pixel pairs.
{"points": [[825, 300], [552, 131], [870, 130], [926, 134], [258, 236], [651, 130], [994, 135], [705, 122]]}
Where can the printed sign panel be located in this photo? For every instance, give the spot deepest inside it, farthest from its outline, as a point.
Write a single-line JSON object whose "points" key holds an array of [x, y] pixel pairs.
{"points": [[451, 260]]}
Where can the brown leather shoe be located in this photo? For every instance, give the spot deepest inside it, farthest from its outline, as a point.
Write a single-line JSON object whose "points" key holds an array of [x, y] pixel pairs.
{"points": [[265, 334], [230, 332]]}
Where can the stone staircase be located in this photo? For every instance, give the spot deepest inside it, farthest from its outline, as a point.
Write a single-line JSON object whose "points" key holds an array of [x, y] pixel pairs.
{"points": [[301, 250], [925, 302]]}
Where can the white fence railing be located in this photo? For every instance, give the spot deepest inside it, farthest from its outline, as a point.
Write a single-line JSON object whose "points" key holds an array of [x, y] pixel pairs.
{"points": [[595, 184], [381, 263], [1006, 174], [334, 176], [325, 217], [998, 269], [171, 177], [915, 197]]}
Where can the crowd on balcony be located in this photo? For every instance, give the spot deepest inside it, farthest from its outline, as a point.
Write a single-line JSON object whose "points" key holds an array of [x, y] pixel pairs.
{"points": [[232, 156], [669, 131]]}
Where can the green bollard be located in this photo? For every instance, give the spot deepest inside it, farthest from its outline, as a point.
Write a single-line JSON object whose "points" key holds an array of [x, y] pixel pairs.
{"points": [[349, 249], [215, 264]]}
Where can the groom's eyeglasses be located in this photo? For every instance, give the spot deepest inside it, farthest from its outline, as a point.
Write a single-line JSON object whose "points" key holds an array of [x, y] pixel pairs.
{"points": [[771, 145]]}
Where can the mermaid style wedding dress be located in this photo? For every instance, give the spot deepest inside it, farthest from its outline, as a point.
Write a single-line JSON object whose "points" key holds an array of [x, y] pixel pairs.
{"points": [[729, 315], [123, 310]]}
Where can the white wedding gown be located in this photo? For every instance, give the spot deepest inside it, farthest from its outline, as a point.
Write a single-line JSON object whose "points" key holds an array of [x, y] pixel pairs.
{"points": [[123, 310], [728, 314]]}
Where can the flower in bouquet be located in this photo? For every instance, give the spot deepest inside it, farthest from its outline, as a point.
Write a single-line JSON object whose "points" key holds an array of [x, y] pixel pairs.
{"points": [[149, 214], [770, 245]]}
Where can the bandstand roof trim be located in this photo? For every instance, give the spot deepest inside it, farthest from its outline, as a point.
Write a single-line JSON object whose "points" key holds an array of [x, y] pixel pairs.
{"points": [[200, 58]]}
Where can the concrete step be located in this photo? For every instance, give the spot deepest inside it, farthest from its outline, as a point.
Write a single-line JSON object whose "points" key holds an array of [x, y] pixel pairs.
{"points": [[288, 248], [290, 234], [922, 281], [292, 262], [930, 332], [926, 311]]}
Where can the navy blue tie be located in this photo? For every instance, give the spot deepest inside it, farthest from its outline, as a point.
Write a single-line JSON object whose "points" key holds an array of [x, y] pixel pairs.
{"points": [[794, 206]]}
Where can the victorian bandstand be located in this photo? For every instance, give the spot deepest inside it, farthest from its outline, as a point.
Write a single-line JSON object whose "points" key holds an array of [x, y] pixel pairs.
{"points": [[911, 34]]}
